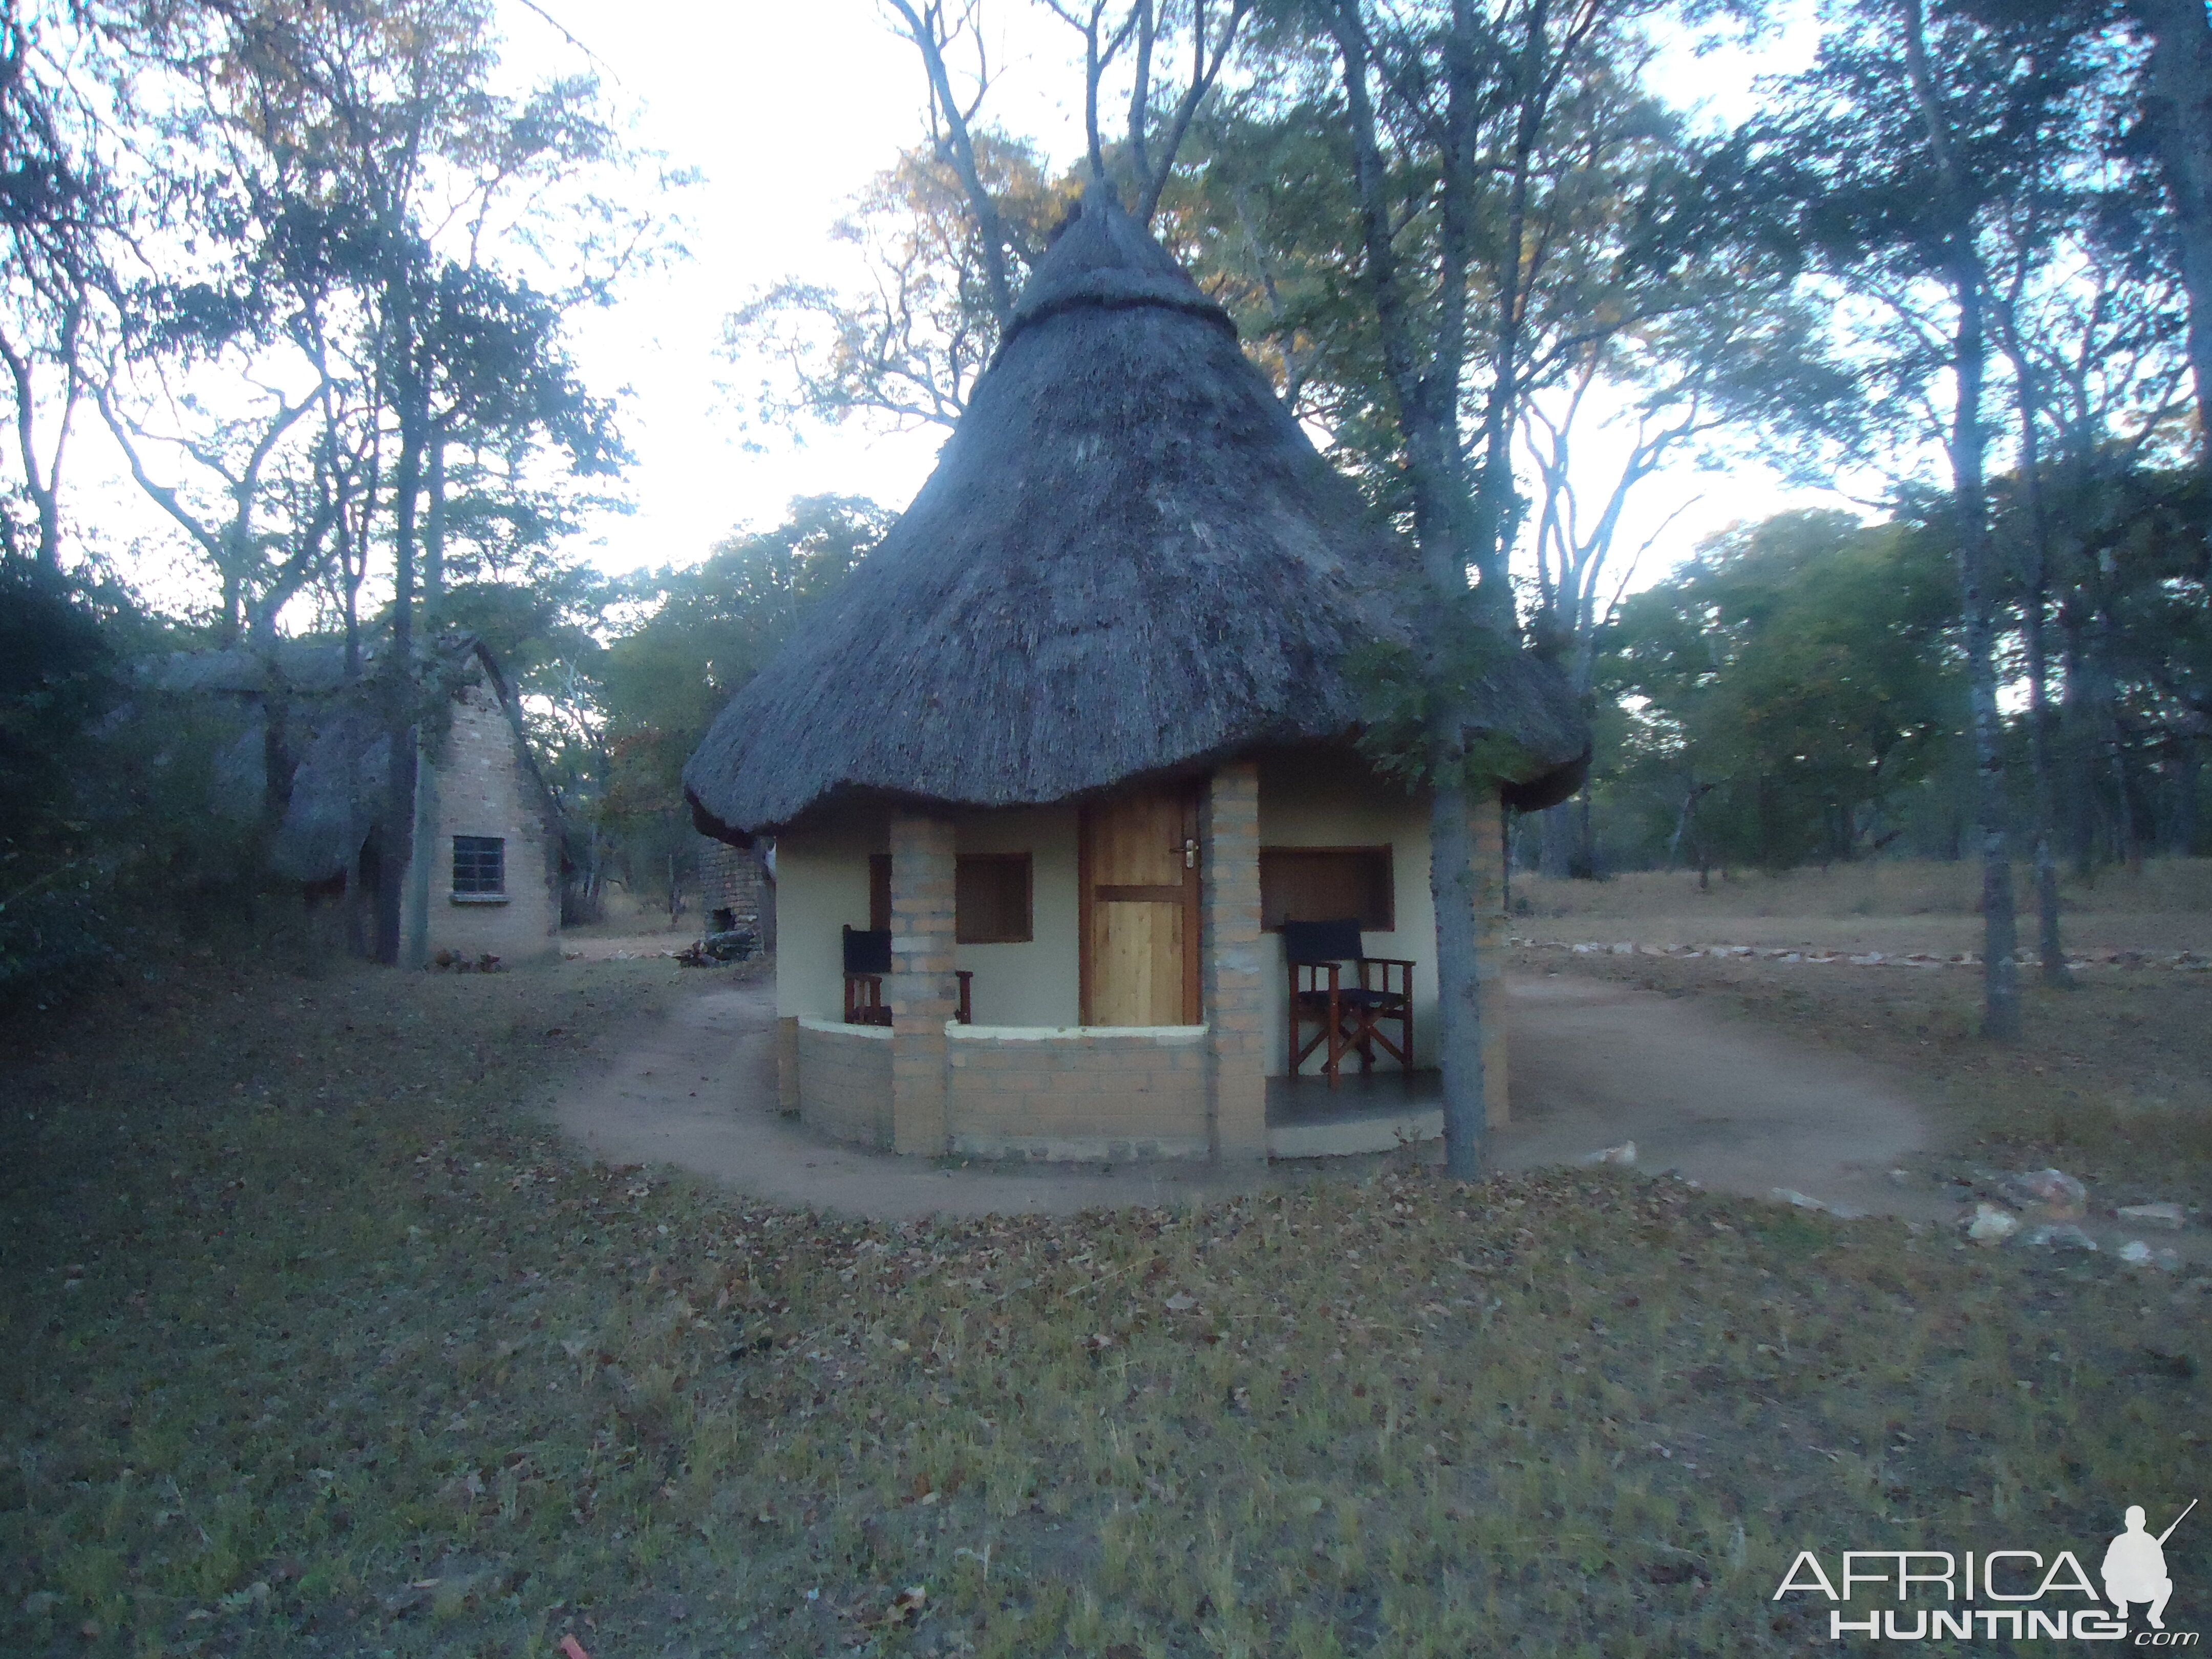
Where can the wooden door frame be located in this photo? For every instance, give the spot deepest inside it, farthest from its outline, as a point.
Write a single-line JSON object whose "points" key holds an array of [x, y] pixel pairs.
{"points": [[1192, 898]]}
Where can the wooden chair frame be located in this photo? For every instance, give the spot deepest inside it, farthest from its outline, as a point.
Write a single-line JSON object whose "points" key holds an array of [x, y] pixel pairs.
{"points": [[1350, 1016], [864, 992]]}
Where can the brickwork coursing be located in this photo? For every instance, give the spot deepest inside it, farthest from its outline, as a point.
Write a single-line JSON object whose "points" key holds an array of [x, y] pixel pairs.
{"points": [[484, 786], [1090, 1094], [730, 880], [920, 988], [1232, 963], [844, 1077]]}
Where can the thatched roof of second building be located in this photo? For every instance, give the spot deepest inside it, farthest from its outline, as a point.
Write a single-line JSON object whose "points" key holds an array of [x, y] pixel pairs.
{"points": [[1129, 560]]}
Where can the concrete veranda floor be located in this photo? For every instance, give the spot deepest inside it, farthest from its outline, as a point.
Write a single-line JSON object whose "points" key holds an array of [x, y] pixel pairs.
{"points": [[1593, 1064]]}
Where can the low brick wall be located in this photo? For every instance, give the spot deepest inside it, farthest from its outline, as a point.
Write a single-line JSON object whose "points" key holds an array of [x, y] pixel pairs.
{"points": [[1111, 1096], [845, 1080]]}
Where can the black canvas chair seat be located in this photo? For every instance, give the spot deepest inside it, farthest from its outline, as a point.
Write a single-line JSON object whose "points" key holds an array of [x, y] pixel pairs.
{"points": [[1348, 1016], [868, 960], [1355, 996]]}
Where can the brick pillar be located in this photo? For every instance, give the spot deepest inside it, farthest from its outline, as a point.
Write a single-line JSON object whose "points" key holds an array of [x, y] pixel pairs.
{"points": [[1236, 1083], [1489, 890], [920, 988]]}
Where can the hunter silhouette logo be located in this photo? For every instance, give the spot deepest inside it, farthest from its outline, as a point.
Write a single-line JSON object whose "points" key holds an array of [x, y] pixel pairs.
{"points": [[2014, 1595], [2134, 1567]]}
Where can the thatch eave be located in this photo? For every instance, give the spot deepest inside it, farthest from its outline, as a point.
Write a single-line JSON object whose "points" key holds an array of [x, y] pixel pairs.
{"points": [[1529, 780]]}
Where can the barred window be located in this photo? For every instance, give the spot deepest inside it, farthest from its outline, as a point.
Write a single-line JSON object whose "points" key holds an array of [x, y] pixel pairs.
{"points": [[479, 864]]}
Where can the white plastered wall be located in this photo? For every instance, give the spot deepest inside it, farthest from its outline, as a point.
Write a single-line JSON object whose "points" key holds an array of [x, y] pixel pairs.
{"points": [[821, 889], [1038, 983], [1329, 799]]}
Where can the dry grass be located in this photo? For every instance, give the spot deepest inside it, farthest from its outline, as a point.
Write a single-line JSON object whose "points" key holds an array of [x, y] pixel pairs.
{"points": [[313, 1344], [625, 914], [1894, 905]]}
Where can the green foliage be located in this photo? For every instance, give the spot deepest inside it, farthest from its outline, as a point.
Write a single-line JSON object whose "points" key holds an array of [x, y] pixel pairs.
{"points": [[56, 675], [62, 667], [717, 622], [711, 628], [1408, 696], [1784, 691]]}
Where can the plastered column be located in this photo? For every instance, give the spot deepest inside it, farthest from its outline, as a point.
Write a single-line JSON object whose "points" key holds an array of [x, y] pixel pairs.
{"points": [[1488, 887], [920, 988], [1236, 1083]]}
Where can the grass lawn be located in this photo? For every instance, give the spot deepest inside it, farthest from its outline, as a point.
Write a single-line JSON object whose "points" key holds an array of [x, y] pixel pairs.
{"points": [[316, 1341]]}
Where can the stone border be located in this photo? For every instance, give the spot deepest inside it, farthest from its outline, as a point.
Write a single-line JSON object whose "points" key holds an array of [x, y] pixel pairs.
{"points": [[2185, 962]]}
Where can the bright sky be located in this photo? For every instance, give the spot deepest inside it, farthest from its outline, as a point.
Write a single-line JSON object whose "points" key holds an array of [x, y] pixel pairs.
{"points": [[785, 111]]}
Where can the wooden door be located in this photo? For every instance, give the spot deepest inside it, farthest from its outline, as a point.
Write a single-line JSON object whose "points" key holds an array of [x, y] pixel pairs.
{"points": [[1139, 920]]}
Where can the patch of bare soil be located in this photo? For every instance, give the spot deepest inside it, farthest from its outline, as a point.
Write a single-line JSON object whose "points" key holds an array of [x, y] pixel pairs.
{"points": [[697, 1090], [1738, 1108], [2113, 1082]]}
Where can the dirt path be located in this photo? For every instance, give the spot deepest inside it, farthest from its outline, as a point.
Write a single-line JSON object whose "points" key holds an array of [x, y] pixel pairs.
{"points": [[698, 1091], [1739, 1109], [1593, 1065]]}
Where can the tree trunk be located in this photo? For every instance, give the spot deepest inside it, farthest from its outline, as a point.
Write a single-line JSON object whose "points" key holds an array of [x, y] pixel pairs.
{"points": [[276, 730], [2047, 945], [1556, 847], [1977, 562], [2127, 839], [401, 696], [1457, 529], [2050, 952], [423, 835], [2000, 932], [1459, 1009], [2074, 748], [2179, 113]]}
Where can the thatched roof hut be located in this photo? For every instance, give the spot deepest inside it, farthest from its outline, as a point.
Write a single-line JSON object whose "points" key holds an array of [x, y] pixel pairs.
{"points": [[477, 787], [1129, 562]]}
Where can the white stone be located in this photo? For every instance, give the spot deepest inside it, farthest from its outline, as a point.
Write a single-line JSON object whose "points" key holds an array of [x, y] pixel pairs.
{"points": [[1991, 1226], [2153, 1215]]}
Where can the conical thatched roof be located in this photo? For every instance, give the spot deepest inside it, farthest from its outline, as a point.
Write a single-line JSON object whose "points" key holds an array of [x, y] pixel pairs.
{"points": [[1129, 561]]}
